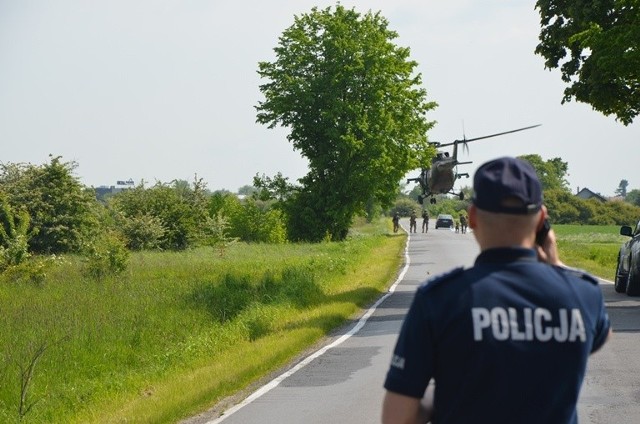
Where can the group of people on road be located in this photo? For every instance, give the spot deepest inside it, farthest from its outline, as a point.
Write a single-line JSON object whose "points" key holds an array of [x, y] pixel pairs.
{"points": [[413, 222], [460, 226]]}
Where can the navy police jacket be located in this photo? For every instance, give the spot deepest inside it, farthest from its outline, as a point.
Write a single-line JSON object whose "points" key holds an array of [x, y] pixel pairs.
{"points": [[506, 341]]}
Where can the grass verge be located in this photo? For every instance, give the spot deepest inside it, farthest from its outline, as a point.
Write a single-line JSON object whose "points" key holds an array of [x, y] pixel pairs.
{"points": [[179, 331]]}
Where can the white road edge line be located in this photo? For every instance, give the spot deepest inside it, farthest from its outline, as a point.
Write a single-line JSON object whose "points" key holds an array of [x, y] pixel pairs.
{"points": [[276, 381]]}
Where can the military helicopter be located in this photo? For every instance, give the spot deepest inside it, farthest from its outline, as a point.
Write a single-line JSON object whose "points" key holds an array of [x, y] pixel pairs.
{"points": [[440, 177]]}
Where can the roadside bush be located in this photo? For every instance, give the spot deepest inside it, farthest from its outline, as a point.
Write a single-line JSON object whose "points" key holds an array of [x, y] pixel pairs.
{"points": [[143, 232], [626, 213], [249, 220], [217, 233], [61, 211], [273, 227], [251, 223], [14, 241], [587, 211], [447, 205], [178, 209], [15, 253], [34, 270], [303, 223], [616, 213], [404, 206], [373, 210], [222, 202], [566, 208], [107, 255], [633, 197]]}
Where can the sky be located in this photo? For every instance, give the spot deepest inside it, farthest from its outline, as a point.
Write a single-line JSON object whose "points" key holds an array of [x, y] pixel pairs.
{"points": [[166, 89]]}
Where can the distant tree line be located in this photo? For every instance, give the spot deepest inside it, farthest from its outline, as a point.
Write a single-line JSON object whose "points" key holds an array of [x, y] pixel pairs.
{"points": [[563, 205]]}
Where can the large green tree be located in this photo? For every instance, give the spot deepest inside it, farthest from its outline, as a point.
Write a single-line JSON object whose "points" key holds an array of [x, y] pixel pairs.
{"points": [[595, 45], [355, 109]]}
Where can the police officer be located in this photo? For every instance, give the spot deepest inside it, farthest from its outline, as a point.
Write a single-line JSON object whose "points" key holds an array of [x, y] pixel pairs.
{"points": [[507, 340]]}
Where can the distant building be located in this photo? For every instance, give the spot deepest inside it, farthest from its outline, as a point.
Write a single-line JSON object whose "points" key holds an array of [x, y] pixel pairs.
{"points": [[103, 191], [586, 194]]}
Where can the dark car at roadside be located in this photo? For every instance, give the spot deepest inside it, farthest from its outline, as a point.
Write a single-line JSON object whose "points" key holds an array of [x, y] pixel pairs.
{"points": [[444, 221], [628, 269]]}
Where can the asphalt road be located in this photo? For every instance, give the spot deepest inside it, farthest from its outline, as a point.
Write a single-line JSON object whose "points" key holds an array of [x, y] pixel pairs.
{"points": [[611, 389], [342, 382]]}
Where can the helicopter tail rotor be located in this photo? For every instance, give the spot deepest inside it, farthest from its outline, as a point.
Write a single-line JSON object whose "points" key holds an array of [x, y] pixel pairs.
{"points": [[465, 147]]}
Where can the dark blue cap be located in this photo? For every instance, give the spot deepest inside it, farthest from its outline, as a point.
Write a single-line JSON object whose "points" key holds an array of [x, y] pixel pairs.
{"points": [[507, 185]]}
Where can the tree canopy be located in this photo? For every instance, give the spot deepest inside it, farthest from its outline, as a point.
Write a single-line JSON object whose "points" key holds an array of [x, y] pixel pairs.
{"points": [[61, 211], [168, 216], [552, 173], [355, 109], [595, 45], [633, 197], [622, 188]]}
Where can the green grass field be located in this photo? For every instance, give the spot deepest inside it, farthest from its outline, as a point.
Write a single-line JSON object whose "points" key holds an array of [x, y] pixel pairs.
{"points": [[180, 331], [593, 248]]}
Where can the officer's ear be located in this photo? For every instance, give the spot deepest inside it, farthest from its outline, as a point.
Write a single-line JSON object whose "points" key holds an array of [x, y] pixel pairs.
{"points": [[472, 213]]}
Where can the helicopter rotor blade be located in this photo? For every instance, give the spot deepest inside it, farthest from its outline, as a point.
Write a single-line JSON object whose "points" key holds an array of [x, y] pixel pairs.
{"points": [[488, 136]]}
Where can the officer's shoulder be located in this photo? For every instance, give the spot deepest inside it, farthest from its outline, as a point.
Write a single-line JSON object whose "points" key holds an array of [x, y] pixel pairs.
{"points": [[578, 273], [439, 279]]}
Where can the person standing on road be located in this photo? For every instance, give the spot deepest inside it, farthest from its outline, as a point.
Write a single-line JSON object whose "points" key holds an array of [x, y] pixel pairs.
{"points": [[507, 340], [463, 224], [413, 222], [396, 221], [425, 221]]}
